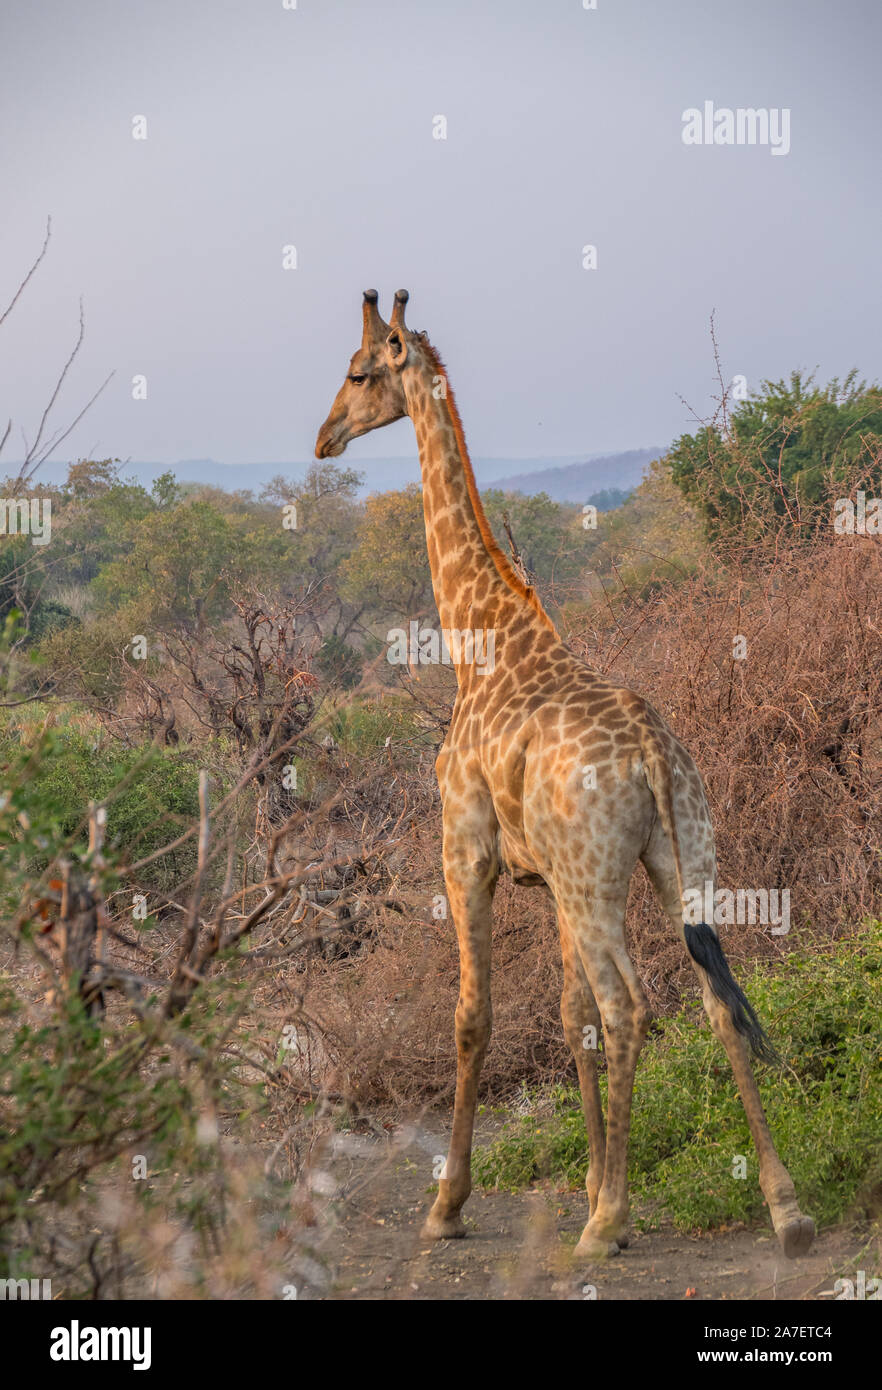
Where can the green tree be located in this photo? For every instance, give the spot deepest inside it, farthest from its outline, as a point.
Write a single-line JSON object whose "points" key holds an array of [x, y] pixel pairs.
{"points": [[327, 517], [95, 509], [181, 561], [553, 544], [654, 535], [388, 570], [782, 453]]}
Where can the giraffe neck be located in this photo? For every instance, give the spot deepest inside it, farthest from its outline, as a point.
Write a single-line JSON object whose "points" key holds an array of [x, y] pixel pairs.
{"points": [[475, 586]]}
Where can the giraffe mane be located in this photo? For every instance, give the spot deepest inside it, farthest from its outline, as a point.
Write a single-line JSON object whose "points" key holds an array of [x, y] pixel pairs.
{"points": [[497, 555]]}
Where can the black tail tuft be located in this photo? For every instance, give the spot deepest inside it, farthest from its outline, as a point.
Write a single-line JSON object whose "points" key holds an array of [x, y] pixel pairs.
{"points": [[705, 949]]}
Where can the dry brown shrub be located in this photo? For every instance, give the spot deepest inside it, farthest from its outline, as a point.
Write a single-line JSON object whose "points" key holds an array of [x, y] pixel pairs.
{"points": [[789, 740]]}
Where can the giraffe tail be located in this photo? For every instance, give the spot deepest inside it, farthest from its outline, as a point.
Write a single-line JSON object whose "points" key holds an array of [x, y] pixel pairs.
{"points": [[701, 940]]}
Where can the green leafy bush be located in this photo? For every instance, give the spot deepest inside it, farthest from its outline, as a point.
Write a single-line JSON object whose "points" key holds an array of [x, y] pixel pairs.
{"points": [[339, 663], [149, 792], [364, 726]]}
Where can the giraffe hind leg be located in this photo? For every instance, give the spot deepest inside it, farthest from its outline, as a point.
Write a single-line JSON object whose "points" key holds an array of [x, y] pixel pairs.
{"points": [[582, 1028], [704, 947], [735, 1025], [597, 925]]}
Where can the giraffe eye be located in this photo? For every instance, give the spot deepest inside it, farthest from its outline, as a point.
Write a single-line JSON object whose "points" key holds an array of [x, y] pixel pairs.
{"points": [[358, 377]]}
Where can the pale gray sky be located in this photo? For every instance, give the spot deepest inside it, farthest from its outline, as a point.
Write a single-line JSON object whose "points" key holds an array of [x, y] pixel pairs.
{"points": [[314, 127]]}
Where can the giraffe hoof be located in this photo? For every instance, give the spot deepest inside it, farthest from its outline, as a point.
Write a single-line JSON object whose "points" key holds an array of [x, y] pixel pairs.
{"points": [[438, 1227], [796, 1236], [594, 1249]]}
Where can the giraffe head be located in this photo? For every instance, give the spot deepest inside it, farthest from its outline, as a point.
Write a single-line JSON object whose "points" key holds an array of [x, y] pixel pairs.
{"points": [[373, 393]]}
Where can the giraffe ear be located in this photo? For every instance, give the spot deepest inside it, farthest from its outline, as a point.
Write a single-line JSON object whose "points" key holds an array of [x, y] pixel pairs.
{"points": [[396, 349]]}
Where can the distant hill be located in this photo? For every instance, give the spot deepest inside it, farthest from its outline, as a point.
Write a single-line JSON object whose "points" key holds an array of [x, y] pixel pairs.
{"points": [[571, 478], [576, 482]]}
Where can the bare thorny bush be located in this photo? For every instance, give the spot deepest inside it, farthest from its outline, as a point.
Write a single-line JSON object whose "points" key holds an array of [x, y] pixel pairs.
{"points": [[789, 737], [183, 1039]]}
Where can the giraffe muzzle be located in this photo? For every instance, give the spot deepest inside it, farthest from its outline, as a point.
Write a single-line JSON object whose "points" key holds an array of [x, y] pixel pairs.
{"points": [[331, 441]]}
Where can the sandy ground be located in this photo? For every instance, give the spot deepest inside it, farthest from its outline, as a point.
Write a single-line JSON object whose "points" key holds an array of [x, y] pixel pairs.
{"points": [[519, 1245]]}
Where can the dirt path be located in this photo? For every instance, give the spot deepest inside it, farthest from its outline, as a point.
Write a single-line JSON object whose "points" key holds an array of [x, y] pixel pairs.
{"points": [[518, 1245]]}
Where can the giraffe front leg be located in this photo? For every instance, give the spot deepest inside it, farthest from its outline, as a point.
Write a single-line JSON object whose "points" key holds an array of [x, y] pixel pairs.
{"points": [[470, 871], [472, 1035]]}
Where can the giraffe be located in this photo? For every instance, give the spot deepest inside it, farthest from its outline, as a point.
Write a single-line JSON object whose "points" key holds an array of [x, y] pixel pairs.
{"points": [[552, 773]]}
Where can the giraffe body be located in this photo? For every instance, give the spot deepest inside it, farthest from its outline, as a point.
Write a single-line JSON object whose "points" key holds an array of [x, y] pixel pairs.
{"points": [[556, 775]]}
